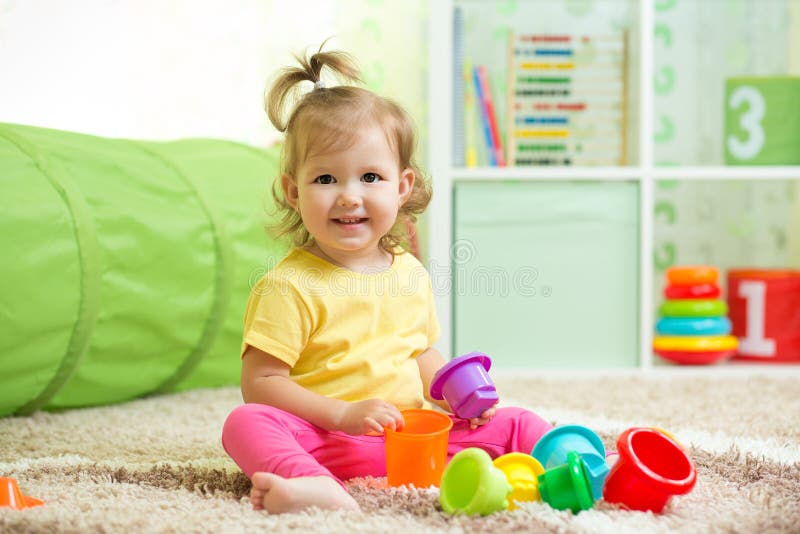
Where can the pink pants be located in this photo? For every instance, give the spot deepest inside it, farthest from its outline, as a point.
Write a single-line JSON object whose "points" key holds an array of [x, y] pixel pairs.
{"points": [[262, 438]]}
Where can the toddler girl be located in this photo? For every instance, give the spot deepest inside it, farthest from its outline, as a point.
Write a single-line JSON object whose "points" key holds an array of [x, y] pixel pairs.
{"points": [[338, 336]]}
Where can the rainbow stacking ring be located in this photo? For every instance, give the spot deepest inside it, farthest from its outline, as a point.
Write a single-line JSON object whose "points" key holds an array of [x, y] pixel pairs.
{"points": [[695, 343], [693, 326], [693, 275], [686, 357], [697, 291], [693, 308]]}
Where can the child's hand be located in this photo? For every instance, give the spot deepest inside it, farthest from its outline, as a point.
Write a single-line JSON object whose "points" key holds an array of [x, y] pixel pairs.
{"points": [[484, 418], [370, 415]]}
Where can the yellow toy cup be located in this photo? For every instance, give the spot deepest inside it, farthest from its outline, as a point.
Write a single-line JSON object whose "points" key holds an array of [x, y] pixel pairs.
{"points": [[522, 471], [417, 454]]}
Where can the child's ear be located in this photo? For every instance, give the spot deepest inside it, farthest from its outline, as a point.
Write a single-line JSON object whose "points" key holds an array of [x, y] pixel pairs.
{"points": [[289, 187], [407, 178]]}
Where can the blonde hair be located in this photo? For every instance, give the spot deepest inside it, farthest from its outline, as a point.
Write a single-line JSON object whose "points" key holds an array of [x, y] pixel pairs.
{"points": [[329, 117]]}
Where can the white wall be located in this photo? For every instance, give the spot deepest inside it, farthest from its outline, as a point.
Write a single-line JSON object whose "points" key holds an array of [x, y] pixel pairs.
{"points": [[150, 68]]}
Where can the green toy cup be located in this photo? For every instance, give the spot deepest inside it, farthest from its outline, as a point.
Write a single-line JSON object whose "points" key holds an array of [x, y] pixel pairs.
{"points": [[472, 485], [552, 449], [567, 487]]}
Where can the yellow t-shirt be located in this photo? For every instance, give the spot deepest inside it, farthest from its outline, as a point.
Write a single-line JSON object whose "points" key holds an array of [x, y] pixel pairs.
{"points": [[346, 335]]}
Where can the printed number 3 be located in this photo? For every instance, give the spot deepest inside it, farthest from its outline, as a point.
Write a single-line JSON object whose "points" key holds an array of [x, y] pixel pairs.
{"points": [[750, 121]]}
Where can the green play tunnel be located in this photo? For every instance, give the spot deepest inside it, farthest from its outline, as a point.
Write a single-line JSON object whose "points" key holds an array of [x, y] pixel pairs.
{"points": [[126, 265]]}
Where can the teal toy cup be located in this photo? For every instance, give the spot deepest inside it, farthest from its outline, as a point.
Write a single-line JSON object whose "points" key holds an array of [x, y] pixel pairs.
{"points": [[567, 487], [553, 448], [472, 485]]}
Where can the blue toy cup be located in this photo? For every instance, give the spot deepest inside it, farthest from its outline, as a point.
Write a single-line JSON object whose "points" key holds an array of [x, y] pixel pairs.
{"points": [[553, 448]]}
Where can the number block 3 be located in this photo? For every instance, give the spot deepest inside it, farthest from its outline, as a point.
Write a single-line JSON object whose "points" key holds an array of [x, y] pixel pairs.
{"points": [[762, 121]]}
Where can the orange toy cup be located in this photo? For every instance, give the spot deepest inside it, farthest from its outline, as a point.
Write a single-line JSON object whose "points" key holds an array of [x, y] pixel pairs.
{"points": [[11, 496], [417, 454]]}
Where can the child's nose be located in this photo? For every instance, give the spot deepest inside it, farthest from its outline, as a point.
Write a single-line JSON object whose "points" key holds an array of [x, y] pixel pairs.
{"points": [[348, 199]]}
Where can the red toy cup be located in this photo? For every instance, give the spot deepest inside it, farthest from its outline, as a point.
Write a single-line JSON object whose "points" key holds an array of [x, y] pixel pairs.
{"points": [[650, 470], [764, 308]]}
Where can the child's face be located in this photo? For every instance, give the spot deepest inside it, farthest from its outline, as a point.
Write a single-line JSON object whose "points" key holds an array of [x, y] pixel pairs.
{"points": [[349, 198]]}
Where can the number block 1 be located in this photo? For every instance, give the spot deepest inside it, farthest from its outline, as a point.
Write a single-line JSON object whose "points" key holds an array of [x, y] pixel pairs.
{"points": [[764, 309], [762, 121]]}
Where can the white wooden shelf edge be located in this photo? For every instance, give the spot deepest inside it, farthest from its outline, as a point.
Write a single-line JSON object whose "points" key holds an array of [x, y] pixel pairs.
{"points": [[544, 173], [624, 173], [727, 173]]}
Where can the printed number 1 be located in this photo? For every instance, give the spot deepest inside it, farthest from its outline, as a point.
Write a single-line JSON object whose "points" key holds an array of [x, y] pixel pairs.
{"points": [[750, 121], [754, 343]]}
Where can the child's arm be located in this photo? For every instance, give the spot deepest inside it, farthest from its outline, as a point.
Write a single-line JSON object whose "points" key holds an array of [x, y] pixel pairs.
{"points": [[431, 361], [265, 380]]}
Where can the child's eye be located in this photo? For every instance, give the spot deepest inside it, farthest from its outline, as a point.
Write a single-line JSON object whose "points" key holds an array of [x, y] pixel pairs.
{"points": [[324, 179], [371, 177]]}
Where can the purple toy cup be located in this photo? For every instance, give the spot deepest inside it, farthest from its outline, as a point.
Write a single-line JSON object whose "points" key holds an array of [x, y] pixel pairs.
{"points": [[465, 385]]}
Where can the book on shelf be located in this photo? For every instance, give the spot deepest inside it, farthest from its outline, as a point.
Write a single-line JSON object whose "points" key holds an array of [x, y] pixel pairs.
{"points": [[567, 99]]}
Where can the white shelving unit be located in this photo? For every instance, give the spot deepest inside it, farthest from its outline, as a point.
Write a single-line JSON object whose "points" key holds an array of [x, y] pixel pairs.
{"points": [[644, 173]]}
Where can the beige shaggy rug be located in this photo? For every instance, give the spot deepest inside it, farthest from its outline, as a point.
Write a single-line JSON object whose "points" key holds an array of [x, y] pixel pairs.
{"points": [[156, 465]]}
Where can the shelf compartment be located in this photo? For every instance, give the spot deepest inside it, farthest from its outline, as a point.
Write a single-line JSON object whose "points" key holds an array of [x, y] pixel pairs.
{"points": [[561, 288]]}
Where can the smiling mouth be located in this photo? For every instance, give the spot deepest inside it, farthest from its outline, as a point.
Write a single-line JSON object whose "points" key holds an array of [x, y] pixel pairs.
{"points": [[351, 220]]}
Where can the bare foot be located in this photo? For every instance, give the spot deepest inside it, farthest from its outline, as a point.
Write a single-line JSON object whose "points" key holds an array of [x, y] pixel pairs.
{"points": [[277, 495]]}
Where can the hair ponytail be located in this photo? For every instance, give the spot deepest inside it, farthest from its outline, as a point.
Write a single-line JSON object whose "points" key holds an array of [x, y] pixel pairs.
{"points": [[309, 69]]}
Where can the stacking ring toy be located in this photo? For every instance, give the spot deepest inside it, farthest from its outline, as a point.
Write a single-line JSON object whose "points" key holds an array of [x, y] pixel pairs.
{"points": [[693, 308], [697, 291], [695, 343], [688, 276], [693, 326]]}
